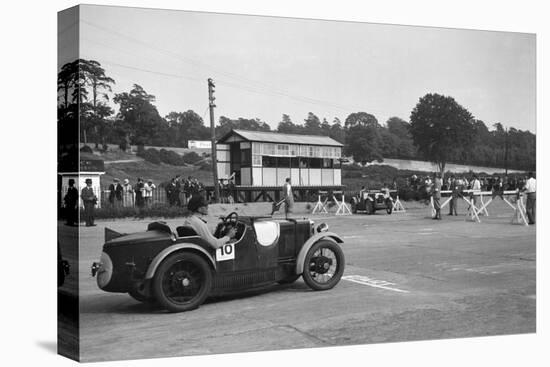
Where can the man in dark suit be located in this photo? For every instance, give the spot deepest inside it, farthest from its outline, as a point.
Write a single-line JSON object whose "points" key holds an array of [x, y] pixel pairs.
{"points": [[90, 200], [71, 204]]}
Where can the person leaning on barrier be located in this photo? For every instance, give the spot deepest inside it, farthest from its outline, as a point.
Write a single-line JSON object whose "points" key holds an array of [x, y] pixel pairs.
{"points": [[530, 189], [198, 210]]}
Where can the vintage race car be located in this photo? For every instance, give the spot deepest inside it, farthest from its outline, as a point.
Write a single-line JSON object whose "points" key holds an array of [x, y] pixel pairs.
{"points": [[370, 201], [178, 270]]}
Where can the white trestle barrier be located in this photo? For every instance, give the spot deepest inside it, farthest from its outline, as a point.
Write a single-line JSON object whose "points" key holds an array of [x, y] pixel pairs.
{"points": [[342, 207], [321, 206], [474, 211], [397, 206]]}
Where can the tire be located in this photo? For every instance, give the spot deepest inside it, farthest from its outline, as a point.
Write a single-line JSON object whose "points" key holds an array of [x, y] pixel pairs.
{"points": [[316, 275], [389, 206], [369, 207], [289, 280], [182, 282]]}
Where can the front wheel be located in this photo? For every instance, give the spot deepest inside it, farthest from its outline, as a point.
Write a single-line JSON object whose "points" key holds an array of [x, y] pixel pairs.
{"points": [[323, 265], [182, 282], [389, 206], [369, 207]]}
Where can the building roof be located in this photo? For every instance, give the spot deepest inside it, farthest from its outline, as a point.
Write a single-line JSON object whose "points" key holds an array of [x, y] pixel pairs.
{"points": [[275, 137]]}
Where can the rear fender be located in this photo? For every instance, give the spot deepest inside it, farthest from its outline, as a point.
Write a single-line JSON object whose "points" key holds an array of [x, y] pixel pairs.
{"points": [[170, 250], [310, 242]]}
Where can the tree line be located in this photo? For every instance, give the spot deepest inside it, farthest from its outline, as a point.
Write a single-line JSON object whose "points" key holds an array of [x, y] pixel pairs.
{"points": [[439, 129]]}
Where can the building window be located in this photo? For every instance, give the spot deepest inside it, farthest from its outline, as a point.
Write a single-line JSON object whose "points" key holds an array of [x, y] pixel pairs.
{"points": [[315, 163], [257, 148], [282, 149], [294, 150], [304, 162], [245, 157], [268, 149], [256, 160], [294, 162], [269, 162], [327, 163], [283, 162]]}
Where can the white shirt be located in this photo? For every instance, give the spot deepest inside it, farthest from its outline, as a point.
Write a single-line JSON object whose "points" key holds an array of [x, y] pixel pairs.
{"points": [[203, 232], [531, 185], [476, 185]]}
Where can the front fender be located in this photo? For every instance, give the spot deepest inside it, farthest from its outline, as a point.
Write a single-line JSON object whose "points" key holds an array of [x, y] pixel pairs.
{"points": [[169, 250], [310, 242]]}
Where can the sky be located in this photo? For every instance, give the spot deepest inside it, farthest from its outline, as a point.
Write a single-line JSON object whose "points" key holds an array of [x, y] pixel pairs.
{"points": [[264, 67]]}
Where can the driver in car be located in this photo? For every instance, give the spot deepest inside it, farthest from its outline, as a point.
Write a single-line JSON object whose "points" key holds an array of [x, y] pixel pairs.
{"points": [[198, 209]]}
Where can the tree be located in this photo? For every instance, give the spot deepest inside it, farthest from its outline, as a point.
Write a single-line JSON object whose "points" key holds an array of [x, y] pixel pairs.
{"points": [[226, 124], [186, 126], [440, 128], [400, 138], [138, 117], [312, 124], [337, 132], [362, 119], [363, 138], [75, 80], [286, 126], [93, 76]]}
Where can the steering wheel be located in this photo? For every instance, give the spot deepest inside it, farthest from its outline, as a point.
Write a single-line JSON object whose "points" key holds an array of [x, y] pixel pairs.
{"points": [[228, 222], [231, 219]]}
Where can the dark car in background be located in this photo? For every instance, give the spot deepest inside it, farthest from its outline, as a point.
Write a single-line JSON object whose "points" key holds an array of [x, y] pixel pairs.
{"points": [[178, 270], [370, 201]]}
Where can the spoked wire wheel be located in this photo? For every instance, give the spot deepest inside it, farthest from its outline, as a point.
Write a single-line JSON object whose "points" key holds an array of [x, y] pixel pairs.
{"points": [[323, 265], [182, 282]]}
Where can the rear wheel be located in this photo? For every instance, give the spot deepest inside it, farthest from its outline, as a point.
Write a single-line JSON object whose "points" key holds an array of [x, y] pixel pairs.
{"points": [[182, 282], [323, 265], [353, 207]]}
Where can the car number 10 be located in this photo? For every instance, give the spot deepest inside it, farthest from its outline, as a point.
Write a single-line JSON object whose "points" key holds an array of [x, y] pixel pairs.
{"points": [[226, 252]]}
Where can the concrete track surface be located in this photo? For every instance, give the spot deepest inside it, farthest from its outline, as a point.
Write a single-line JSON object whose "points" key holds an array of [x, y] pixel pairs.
{"points": [[407, 278]]}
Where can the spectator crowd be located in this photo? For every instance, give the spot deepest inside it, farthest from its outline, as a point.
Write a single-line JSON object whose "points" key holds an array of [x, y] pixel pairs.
{"points": [[143, 193]]}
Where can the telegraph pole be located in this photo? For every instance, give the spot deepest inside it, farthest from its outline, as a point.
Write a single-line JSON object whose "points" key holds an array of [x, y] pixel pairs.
{"points": [[211, 105]]}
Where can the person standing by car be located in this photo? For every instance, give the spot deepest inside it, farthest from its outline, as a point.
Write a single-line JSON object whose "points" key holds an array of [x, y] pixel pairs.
{"points": [[288, 196], [71, 204], [198, 210], [90, 200], [531, 190]]}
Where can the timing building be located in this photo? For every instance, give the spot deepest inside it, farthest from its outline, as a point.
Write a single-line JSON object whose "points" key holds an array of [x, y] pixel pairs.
{"points": [[262, 159]]}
